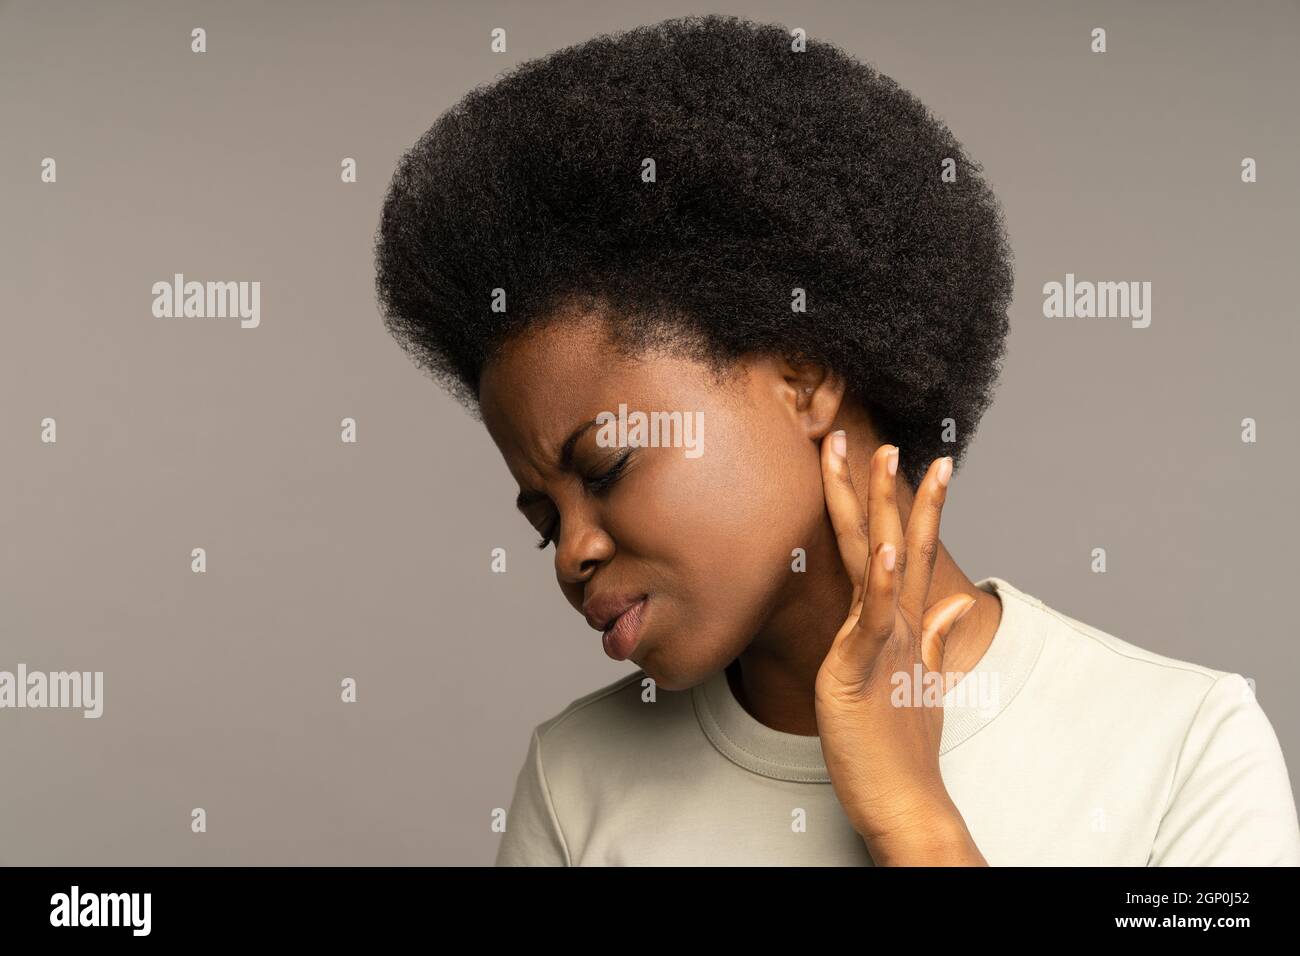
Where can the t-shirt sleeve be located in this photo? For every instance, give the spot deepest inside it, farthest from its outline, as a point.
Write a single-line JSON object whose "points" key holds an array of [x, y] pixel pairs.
{"points": [[532, 836], [1231, 802]]}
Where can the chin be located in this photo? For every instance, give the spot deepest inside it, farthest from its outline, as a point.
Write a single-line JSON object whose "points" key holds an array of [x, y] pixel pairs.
{"points": [[670, 680], [651, 664], [670, 672]]}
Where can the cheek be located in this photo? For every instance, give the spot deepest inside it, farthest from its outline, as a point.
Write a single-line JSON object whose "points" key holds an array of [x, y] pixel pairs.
{"points": [[733, 515], [716, 533]]}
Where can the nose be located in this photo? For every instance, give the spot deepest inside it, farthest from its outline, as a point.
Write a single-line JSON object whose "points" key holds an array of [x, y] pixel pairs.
{"points": [[582, 547]]}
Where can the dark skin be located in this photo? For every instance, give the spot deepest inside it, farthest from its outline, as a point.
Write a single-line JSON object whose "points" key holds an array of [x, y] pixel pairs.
{"points": [[815, 648]]}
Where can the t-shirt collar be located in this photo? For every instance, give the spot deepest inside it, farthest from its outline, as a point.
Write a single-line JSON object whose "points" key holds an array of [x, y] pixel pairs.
{"points": [[989, 687]]}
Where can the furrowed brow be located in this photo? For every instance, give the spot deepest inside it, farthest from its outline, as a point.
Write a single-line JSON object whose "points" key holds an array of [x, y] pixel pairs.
{"points": [[527, 498]]}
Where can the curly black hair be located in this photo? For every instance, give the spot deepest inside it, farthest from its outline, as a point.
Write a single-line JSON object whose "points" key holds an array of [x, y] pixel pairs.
{"points": [[775, 169]]}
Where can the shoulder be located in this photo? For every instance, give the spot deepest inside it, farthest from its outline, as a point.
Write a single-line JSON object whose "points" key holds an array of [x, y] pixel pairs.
{"points": [[611, 696], [1137, 683], [1110, 694], [612, 717], [552, 799], [1101, 661], [622, 724], [1198, 734], [1192, 740]]}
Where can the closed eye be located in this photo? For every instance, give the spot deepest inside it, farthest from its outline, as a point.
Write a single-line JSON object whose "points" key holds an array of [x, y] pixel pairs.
{"points": [[598, 486], [602, 483]]}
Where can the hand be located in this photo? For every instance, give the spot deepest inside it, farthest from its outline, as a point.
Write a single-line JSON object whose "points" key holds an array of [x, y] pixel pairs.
{"points": [[882, 750]]}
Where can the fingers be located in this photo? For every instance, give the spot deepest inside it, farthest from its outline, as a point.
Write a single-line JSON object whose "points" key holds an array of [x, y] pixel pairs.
{"points": [[921, 546], [845, 510], [882, 514], [891, 568], [873, 612], [877, 611], [938, 622]]}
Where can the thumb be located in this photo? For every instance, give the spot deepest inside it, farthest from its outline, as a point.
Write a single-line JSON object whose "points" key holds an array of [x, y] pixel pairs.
{"points": [[936, 624]]}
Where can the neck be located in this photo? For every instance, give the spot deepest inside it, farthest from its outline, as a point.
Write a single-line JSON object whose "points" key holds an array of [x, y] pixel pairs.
{"points": [[777, 672]]}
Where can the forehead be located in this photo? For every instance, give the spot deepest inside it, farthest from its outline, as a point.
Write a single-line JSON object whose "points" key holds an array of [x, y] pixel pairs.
{"points": [[549, 379], [531, 391]]}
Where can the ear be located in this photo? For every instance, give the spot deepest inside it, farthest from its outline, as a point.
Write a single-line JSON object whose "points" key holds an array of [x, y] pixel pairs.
{"points": [[813, 393]]}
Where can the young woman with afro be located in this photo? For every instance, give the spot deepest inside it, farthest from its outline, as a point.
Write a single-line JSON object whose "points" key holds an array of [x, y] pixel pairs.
{"points": [[708, 219]]}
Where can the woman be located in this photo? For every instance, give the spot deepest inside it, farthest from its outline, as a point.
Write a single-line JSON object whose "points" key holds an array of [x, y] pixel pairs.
{"points": [[731, 307]]}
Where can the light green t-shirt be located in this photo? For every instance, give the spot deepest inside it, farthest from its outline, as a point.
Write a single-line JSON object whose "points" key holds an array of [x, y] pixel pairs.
{"points": [[1069, 747]]}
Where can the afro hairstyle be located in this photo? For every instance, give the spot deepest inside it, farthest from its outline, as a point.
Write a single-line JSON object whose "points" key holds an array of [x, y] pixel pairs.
{"points": [[776, 169]]}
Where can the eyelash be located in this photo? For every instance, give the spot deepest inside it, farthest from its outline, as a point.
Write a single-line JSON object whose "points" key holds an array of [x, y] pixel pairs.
{"points": [[598, 485]]}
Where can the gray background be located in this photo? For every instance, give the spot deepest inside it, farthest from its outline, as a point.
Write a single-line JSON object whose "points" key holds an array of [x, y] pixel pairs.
{"points": [[328, 560]]}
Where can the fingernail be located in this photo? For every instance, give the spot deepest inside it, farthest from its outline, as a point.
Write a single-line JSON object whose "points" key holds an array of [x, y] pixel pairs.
{"points": [[888, 555], [963, 613], [893, 461], [839, 443], [945, 470]]}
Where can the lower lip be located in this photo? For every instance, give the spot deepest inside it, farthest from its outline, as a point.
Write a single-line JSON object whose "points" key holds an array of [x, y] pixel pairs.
{"points": [[621, 639]]}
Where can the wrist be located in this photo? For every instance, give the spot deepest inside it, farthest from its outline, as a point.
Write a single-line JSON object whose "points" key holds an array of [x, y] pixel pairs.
{"points": [[934, 838]]}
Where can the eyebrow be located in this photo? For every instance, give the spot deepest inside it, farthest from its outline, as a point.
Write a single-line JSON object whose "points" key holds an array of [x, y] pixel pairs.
{"points": [[527, 498]]}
